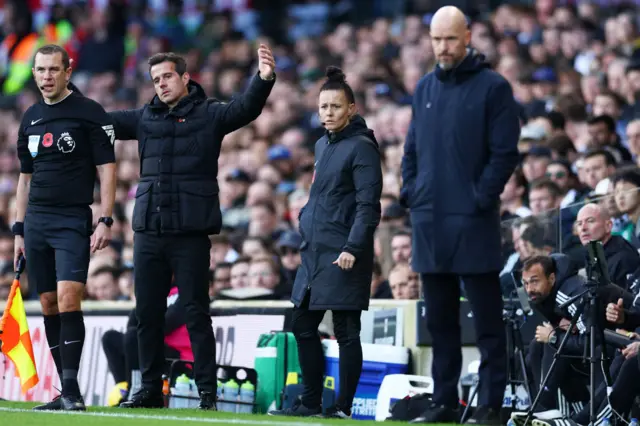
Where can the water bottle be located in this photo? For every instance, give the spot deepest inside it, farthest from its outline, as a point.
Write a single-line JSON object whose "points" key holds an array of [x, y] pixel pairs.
{"points": [[230, 393], [181, 389], [194, 395], [634, 422], [219, 394], [247, 394]]}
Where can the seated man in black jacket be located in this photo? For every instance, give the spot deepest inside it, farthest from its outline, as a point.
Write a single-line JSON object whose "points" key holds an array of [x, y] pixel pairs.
{"points": [[623, 260], [551, 281], [626, 383]]}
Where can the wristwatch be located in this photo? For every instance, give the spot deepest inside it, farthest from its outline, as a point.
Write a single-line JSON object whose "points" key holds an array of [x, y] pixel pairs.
{"points": [[553, 339], [18, 229], [106, 220]]}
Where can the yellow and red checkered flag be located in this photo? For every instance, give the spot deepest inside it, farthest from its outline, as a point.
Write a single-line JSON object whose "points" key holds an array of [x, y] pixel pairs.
{"points": [[14, 335]]}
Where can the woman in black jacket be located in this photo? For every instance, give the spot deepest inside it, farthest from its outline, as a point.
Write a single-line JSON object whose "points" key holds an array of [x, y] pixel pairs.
{"points": [[337, 226]]}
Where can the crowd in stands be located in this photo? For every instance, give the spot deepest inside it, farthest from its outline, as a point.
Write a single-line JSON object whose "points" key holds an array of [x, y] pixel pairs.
{"points": [[574, 68]]}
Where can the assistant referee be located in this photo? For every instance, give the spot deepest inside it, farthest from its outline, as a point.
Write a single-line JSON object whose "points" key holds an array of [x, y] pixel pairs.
{"points": [[62, 139]]}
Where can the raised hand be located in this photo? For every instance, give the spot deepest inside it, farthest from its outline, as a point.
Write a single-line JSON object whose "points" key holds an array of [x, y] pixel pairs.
{"points": [[266, 62]]}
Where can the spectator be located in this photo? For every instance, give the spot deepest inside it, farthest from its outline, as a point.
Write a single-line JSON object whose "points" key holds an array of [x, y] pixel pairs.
{"points": [[401, 246], [544, 195], [102, 284], [240, 272], [221, 250], [535, 163], [380, 288], [395, 215], [296, 200], [598, 165], [125, 283], [626, 184], [633, 139], [256, 246], [602, 130], [512, 197], [289, 250], [221, 279], [264, 221], [264, 273], [404, 283]]}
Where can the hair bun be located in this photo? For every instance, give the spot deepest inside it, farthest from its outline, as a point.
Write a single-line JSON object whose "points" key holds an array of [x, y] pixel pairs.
{"points": [[335, 74]]}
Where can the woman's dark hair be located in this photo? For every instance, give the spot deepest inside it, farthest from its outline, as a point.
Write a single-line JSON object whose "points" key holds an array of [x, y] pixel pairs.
{"points": [[336, 80]]}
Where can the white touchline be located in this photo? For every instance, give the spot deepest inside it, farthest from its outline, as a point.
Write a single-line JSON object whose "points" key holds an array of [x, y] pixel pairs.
{"points": [[165, 418]]}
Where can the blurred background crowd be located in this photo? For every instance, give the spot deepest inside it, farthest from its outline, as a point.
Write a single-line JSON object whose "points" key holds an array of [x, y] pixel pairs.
{"points": [[574, 67]]}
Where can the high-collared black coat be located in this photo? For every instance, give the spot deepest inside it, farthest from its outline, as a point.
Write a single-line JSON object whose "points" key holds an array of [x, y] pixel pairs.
{"points": [[342, 214], [461, 149]]}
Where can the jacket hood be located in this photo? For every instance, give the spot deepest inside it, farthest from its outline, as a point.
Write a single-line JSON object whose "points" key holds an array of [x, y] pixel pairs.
{"points": [[356, 127], [472, 63], [196, 95], [565, 267]]}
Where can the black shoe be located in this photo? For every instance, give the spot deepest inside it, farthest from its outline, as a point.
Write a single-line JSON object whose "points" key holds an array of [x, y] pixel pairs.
{"points": [[207, 401], [336, 413], [53, 405], [73, 403], [144, 399], [298, 410], [438, 414], [485, 416]]}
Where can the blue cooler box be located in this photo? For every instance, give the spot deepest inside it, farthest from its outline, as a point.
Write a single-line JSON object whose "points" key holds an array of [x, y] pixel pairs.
{"points": [[378, 361]]}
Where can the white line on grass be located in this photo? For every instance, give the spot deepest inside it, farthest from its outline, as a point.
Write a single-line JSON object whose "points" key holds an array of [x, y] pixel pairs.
{"points": [[165, 418]]}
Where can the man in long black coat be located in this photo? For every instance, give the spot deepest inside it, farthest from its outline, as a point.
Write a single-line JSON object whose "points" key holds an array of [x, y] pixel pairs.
{"points": [[460, 151]]}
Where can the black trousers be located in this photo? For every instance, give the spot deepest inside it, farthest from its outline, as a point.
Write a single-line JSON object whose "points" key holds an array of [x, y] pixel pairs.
{"points": [[566, 387], [158, 259], [346, 327], [600, 398], [121, 351], [442, 300]]}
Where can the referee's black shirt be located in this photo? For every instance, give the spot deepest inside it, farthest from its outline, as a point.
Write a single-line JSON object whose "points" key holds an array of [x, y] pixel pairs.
{"points": [[61, 145]]}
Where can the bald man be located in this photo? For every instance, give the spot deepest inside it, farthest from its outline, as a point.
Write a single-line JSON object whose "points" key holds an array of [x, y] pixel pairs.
{"points": [[623, 261], [463, 135]]}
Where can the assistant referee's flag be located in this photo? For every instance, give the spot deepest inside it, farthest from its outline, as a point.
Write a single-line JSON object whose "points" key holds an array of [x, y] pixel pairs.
{"points": [[15, 339]]}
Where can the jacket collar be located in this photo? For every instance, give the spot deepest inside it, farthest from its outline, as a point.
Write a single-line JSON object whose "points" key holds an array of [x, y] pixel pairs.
{"points": [[196, 95]]}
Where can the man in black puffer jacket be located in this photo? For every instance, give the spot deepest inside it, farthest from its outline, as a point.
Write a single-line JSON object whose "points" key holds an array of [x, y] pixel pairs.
{"points": [[179, 136]]}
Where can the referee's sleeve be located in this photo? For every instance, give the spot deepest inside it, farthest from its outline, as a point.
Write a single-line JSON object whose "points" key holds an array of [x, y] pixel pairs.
{"points": [[26, 160], [103, 136]]}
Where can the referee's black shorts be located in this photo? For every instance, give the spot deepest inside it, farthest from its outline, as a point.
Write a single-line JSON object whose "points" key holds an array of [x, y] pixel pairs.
{"points": [[57, 245]]}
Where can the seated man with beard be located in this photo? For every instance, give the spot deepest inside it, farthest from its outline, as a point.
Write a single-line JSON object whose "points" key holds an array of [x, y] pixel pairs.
{"points": [[625, 373], [551, 281]]}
